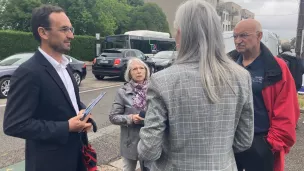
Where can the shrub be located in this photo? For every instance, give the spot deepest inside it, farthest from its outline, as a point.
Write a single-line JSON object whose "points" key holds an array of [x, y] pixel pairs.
{"points": [[12, 42]]}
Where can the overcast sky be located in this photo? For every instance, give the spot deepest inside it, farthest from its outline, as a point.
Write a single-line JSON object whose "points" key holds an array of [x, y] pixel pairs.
{"points": [[279, 16]]}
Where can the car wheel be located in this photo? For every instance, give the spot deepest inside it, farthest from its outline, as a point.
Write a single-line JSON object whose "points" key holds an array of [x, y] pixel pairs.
{"points": [[77, 78], [99, 77], [4, 87]]}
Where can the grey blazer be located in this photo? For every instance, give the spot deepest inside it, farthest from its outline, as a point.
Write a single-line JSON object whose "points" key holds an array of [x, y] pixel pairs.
{"points": [[184, 131], [119, 115]]}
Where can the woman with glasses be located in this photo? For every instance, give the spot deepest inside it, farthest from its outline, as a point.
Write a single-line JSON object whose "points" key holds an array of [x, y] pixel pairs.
{"points": [[128, 110]]}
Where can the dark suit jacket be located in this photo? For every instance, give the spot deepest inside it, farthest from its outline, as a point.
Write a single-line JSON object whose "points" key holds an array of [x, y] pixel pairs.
{"points": [[38, 109]]}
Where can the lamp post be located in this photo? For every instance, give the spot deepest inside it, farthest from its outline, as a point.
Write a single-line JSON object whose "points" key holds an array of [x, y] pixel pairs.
{"points": [[98, 45]]}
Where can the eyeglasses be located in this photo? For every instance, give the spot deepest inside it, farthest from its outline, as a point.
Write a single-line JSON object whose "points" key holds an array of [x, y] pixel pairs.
{"points": [[242, 35], [63, 29]]}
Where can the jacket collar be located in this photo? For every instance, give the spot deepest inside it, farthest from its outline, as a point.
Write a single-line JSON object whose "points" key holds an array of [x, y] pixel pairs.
{"points": [[273, 71], [128, 88]]}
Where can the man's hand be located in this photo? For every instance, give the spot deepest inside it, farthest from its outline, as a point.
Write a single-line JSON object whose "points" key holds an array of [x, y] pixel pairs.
{"points": [[136, 118], [76, 125], [87, 129]]}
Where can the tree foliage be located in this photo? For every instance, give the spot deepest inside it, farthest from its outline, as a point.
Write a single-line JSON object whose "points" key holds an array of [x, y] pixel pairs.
{"points": [[150, 17], [88, 17], [16, 14], [135, 2]]}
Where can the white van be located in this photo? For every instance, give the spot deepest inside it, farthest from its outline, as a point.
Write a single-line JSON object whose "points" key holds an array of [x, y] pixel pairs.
{"points": [[269, 39]]}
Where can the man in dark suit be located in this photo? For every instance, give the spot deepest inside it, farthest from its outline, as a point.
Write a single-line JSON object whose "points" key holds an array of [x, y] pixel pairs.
{"points": [[43, 105]]}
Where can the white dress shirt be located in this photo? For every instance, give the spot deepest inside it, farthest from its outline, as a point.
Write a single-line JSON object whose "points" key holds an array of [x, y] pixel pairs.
{"points": [[64, 75]]}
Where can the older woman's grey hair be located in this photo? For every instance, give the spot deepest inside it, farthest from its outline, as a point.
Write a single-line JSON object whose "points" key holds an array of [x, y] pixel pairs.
{"points": [[127, 75], [201, 40]]}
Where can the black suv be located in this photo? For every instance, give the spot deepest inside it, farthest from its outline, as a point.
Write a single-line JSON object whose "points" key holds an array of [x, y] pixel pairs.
{"points": [[113, 62]]}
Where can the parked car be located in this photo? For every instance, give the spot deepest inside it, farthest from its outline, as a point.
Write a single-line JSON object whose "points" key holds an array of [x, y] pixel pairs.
{"points": [[163, 59], [11, 63], [113, 62]]}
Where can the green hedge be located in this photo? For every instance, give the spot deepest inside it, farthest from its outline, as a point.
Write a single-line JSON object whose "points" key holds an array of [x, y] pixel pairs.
{"points": [[12, 42]]}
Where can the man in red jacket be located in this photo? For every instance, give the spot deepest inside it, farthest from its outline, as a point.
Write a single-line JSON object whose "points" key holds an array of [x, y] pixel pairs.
{"points": [[276, 108]]}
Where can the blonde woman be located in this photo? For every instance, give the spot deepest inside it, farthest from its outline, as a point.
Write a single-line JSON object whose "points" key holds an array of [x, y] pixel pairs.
{"points": [[129, 109]]}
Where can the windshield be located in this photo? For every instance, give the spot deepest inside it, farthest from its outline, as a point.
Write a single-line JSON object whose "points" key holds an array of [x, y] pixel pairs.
{"points": [[165, 54], [16, 60], [111, 55], [118, 42]]}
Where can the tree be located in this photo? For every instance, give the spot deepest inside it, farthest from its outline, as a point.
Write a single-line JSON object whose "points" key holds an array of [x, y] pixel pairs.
{"points": [[135, 2], [119, 10], [149, 16], [88, 16], [16, 14], [2, 8]]}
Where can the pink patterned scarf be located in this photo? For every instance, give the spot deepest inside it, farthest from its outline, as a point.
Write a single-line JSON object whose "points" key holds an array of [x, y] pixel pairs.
{"points": [[140, 90]]}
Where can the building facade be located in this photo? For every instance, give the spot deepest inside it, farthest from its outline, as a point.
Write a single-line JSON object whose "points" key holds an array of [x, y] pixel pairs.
{"points": [[225, 21], [246, 14], [169, 7], [234, 11]]}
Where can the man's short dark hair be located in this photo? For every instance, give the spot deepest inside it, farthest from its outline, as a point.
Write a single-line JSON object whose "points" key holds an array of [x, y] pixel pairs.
{"points": [[40, 18]]}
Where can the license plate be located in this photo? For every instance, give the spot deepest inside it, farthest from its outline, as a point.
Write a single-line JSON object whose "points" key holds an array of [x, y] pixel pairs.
{"points": [[103, 62]]}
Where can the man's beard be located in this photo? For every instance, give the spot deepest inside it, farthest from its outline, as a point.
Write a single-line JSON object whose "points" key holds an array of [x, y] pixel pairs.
{"points": [[59, 48]]}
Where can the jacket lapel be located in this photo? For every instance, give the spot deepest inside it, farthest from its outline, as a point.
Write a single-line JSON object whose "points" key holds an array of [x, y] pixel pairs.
{"points": [[53, 73], [76, 89]]}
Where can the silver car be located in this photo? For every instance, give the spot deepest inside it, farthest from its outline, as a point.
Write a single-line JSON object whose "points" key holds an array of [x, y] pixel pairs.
{"points": [[11, 63]]}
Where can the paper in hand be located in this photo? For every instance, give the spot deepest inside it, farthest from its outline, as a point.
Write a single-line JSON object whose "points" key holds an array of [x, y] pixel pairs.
{"points": [[91, 106]]}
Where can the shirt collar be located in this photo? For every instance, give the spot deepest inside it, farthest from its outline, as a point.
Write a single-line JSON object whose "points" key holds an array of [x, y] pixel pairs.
{"points": [[63, 64], [240, 60], [256, 64]]}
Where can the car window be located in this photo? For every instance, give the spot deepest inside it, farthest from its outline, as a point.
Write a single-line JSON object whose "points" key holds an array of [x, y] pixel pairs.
{"points": [[115, 54], [140, 55], [17, 59], [165, 54], [132, 54], [128, 54]]}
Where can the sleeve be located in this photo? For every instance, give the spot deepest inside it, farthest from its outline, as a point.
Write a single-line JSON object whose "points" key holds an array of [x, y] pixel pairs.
{"points": [[22, 102], [245, 129], [117, 115], [152, 134], [286, 112], [82, 106]]}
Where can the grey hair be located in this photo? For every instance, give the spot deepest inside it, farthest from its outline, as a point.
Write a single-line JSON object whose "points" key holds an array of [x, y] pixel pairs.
{"points": [[202, 41], [129, 67], [286, 46]]}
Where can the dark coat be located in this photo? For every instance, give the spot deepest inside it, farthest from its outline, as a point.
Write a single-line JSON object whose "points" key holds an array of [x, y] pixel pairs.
{"points": [[38, 109]]}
